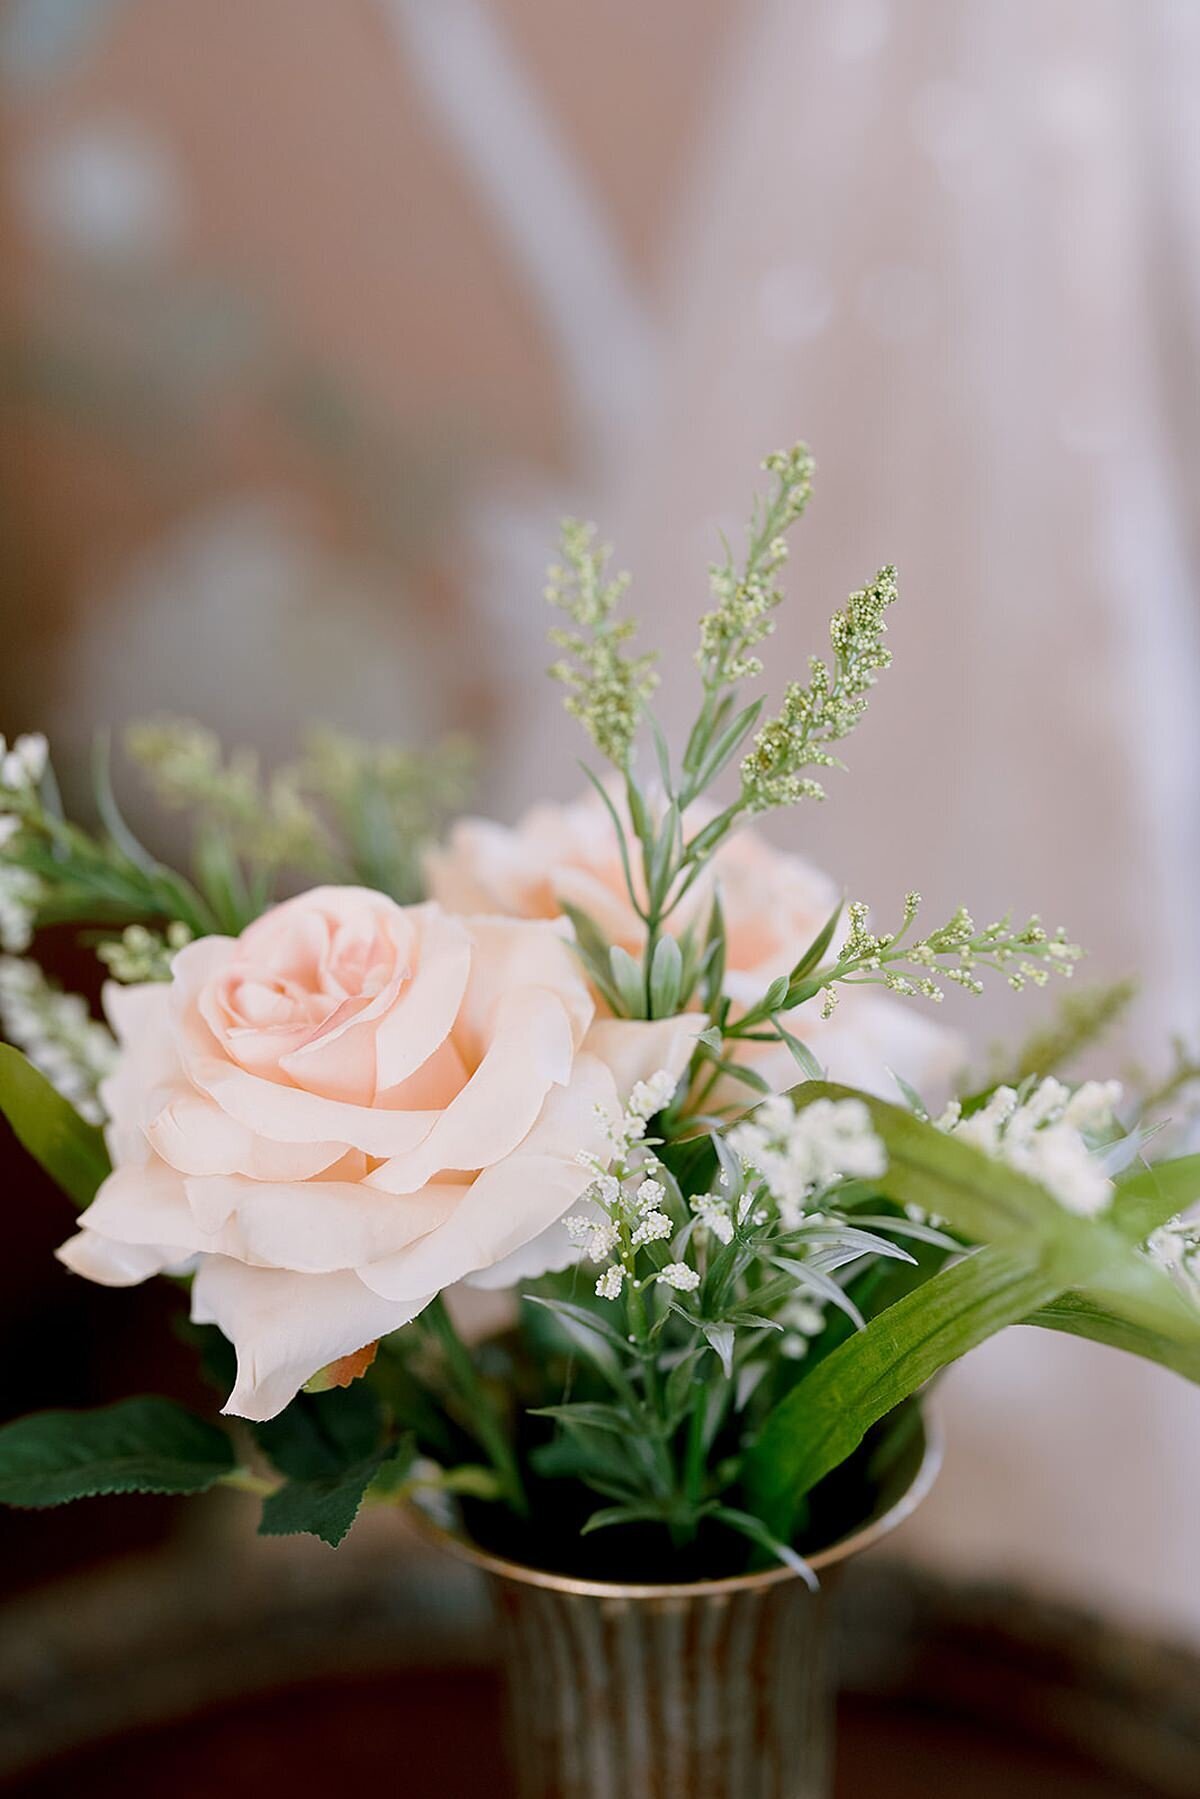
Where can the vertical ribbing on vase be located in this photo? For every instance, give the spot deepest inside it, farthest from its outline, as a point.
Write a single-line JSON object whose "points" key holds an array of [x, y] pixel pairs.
{"points": [[700, 1696]]}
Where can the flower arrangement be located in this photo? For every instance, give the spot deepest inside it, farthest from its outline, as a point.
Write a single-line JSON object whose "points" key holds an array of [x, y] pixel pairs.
{"points": [[626, 1061]]}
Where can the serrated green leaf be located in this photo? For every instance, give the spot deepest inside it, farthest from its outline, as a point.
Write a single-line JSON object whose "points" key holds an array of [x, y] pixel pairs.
{"points": [[145, 1445], [319, 1435], [321, 1508], [70, 1150]]}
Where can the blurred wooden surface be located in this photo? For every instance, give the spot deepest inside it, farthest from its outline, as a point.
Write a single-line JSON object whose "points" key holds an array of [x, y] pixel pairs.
{"points": [[239, 1667]]}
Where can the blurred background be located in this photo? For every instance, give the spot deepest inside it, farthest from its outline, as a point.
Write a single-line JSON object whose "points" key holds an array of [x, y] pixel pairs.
{"points": [[315, 319]]}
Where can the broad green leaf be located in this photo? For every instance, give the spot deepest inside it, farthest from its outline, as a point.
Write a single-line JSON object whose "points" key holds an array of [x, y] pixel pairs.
{"points": [[70, 1150], [145, 1445], [320, 1435], [323, 1508], [825, 1417], [1079, 1316], [1151, 1196]]}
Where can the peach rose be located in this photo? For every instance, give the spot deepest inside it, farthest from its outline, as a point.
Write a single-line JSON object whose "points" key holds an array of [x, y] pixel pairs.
{"points": [[553, 854], [345, 1110], [774, 904]]}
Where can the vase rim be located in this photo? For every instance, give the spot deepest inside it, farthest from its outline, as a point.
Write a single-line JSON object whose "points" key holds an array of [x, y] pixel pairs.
{"points": [[829, 1557]]}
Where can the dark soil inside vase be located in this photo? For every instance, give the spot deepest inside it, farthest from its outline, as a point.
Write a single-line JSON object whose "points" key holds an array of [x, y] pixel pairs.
{"points": [[866, 1486]]}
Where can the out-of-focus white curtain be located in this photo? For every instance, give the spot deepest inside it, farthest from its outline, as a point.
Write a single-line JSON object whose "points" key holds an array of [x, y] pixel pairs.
{"points": [[956, 246]]}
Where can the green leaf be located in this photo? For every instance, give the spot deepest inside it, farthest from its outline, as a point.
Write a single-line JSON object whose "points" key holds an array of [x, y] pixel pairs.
{"points": [[720, 1339], [801, 1054], [320, 1435], [70, 1150], [666, 977], [1079, 1316], [756, 1531], [824, 1418], [592, 948], [816, 949], [323, 1508], [910, 1096], [146, 1445], [586, 1414], [626, 977], [724, 747], [609, 1515], [1153, 1195], [714, 977]]}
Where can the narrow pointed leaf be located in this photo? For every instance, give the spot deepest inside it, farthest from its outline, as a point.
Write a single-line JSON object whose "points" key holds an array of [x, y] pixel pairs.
{"points": [[70, 1150]]}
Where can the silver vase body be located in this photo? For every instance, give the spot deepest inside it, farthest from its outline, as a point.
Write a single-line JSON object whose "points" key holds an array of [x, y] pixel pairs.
{"points": [[712, 1690]]}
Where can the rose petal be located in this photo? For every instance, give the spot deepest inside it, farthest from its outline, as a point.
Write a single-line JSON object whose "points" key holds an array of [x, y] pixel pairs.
{"points": [[634, 1049], [195, 1136], [113, 1264], [530, 1052], [518, 955], [314, 1227], [511, 1203], [285, 1326]]}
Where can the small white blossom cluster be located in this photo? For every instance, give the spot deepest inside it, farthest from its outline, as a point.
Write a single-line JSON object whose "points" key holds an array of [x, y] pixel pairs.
{"points": [[21, 769], [626, 1200], [802, 1318], [58, 1034], [19, 895], [140, 954], [1175, 1246], [718, 1215], [22, 766], [800, 1151], [1044, 1135]]}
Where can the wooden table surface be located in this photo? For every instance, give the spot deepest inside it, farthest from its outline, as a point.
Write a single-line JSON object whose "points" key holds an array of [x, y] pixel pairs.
{"points": [[247, 1671]]}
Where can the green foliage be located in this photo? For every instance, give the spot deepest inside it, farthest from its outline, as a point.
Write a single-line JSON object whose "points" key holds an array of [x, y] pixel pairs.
{"points": [[145, 1445], [1034, 1252], [825, 1417], [606, 688], [1078, 1316], [824, 709], [323, 1507], [71, 1151], [321, 1435]]}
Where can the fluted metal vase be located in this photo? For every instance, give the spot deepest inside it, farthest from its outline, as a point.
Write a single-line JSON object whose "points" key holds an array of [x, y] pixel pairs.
{"points": [[714, 1690]]}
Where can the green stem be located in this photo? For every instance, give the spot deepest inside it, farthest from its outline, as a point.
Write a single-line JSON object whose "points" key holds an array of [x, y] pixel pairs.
{"points": [[484, 1419]]}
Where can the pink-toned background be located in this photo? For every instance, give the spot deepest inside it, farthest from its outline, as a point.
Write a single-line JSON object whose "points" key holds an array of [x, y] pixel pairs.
{"points": [[314, 319]]}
